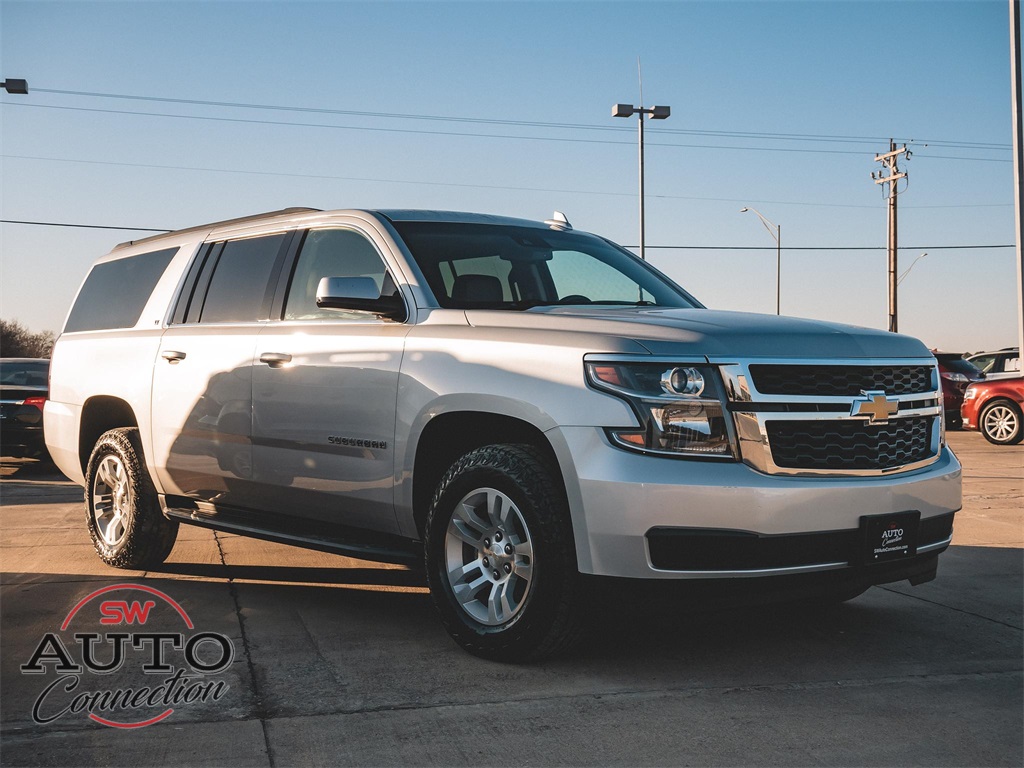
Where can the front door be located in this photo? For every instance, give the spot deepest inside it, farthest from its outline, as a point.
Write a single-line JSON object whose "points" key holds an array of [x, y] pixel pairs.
{"points": [[325, 386]]}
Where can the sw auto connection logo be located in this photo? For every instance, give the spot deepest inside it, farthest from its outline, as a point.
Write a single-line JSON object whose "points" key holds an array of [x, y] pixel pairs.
{"points": [[157, 671], [892, 540]]}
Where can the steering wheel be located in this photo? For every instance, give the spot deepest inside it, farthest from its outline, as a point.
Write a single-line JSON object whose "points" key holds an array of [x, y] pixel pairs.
{"points": [[575, 298]]}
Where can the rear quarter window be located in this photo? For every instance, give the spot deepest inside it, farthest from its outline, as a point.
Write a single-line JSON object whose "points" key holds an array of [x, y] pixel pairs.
{"points": [[115, 292], [240, 287]]}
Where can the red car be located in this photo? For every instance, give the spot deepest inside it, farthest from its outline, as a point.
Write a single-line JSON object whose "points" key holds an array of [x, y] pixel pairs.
{"points": [[956, 374], [994, 408]]}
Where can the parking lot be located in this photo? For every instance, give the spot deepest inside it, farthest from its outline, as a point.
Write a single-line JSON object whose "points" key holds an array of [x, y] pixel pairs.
{"points": [[340, 661]]}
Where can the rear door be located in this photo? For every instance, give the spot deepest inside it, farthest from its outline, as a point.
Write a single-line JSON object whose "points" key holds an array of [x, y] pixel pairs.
{"points": [[202, 382], [325, 386]]}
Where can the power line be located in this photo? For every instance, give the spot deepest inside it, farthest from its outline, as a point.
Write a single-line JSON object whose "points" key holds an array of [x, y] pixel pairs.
{"points": [[80, 226], [659, 247], [329, 177], [525, 123], [467, 134], [821, 247]]}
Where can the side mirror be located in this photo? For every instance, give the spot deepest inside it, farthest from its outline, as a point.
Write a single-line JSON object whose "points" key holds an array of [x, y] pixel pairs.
{"points": [[360, 294]]}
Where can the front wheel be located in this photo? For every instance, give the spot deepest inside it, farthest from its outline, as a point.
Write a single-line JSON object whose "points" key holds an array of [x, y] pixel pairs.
{"points": [[500, 556], [1000, 423], [127, 527]]}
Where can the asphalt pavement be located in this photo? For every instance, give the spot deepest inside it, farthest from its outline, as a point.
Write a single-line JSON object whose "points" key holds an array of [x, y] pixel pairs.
{"points": [[342, 662]]}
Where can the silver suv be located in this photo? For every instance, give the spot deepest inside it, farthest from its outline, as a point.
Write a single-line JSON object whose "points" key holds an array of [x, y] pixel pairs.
{"points": [[517, 405]]}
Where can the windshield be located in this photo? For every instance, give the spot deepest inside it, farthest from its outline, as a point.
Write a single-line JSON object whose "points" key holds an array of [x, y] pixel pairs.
{"points": [[27, 373], [498, 266]]}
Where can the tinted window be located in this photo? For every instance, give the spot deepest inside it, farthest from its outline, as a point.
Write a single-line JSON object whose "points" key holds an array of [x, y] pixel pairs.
{"points": [[330, 253], [238, 290], [500, 266], [116, 292], [957, 364], [24, 372]]}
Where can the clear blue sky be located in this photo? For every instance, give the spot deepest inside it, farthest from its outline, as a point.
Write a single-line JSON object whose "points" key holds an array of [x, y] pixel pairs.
{"points": [[932, 72]]}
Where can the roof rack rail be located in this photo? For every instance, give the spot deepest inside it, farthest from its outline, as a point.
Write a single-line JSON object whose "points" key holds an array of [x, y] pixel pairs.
{"points": [[215, 224]]}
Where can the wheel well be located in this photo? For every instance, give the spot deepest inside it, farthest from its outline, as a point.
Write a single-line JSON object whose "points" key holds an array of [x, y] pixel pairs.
{"points": [[450, 435], [1000, 399], [100, 414], [997, 400]]}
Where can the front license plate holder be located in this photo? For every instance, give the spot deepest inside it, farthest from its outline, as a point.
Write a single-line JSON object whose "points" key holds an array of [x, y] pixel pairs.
{"points": [[889, 537]]}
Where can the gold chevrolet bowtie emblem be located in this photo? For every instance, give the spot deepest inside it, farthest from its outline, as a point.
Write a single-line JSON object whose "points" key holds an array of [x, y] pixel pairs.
{"points": [[876, 406]]}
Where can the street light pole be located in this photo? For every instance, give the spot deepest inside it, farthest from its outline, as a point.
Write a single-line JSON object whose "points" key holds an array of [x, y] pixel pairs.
{"points": [[643, 235], [656, 113], [12, 85], [775, 230]]}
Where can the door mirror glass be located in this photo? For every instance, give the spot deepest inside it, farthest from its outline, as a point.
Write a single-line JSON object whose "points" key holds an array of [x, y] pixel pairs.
{"points": [[360, 294]]}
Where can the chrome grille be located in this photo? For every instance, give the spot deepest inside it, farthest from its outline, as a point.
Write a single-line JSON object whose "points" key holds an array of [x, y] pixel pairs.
{"points": [[841, 380], [796, 417], [850, 444]]}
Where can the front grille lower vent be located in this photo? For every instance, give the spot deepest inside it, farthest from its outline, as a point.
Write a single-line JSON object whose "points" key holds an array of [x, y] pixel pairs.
{"points": [[850, 445], [841, 380]]}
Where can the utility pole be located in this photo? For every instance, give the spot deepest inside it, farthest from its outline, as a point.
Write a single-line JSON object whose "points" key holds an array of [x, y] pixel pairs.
{"points": [[1018, 162], [889, 165]]}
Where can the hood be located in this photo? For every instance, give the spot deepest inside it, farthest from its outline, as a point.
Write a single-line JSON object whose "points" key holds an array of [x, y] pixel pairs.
{"points": [[721, 336]]}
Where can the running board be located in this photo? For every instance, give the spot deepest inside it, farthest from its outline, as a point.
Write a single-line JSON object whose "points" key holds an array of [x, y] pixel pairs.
{"points": [[307, 534]]}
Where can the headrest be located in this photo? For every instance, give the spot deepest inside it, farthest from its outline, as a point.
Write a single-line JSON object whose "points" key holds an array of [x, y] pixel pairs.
{"points": [[477, 289]]}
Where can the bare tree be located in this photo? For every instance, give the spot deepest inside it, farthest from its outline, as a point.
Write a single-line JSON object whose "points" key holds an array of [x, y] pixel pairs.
{"points": [[18, 341]]}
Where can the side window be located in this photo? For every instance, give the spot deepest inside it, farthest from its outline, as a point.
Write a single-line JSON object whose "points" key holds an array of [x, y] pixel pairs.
{"points": [[985, 363], [116, 292], [1012, 364], [239, 290], [331, 253]]}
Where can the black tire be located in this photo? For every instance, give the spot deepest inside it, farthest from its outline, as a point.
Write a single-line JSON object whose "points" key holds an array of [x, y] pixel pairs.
{"points": [[547, 619], [147, 536], [1014, 423]]}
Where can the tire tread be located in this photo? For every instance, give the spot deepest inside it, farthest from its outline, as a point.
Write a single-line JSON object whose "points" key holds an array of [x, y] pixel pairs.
{"points": [[529, 468], [151, 536]]}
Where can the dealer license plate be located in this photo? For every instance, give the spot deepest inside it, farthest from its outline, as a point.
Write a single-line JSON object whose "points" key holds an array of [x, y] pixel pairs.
{"points": [[889, 537]]}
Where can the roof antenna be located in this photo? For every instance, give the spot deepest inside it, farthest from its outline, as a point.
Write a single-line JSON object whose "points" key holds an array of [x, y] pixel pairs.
{"points": [[559, 222]]}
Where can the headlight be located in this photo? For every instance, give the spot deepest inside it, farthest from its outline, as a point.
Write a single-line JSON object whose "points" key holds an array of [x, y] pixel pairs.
{"points": [[957, 377], [680, 407], [970, 393]]}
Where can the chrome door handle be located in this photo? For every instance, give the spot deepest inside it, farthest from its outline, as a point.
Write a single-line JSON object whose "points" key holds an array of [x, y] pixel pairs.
{"points": [[172, 356], [275, 359]]}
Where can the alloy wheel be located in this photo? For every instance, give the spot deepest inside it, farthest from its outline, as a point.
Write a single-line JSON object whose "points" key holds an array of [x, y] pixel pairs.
{"points": [[489, 557], [111, 500], [1000, 422]]}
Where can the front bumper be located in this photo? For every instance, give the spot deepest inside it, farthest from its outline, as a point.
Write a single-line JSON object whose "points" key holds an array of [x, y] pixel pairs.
{"points": [[618, 497]]}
